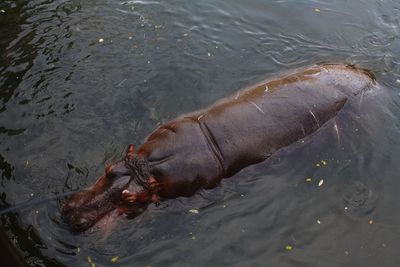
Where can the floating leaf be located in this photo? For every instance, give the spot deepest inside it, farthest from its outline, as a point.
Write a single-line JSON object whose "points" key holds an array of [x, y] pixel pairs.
{"points": [[194, 211], [78, 249], [317, 10], [321, 182], [2, 11], [115, 259], [89, 259], [318, 221], [370, 221], [193, 237], [289, 247], [317, 165], [185, 34], [398, 81], [324, 162], [308, 179], [209, 54], [101, 40]]}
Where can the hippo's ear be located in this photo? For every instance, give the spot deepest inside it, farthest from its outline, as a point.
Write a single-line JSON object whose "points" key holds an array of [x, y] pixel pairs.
{"points": [[130, 151]]}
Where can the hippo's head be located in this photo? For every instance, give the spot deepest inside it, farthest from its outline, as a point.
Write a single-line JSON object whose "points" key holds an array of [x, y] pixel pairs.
{"points": [[126, 186]]}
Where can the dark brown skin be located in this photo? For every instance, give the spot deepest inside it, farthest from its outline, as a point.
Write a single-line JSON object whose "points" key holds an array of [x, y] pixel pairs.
{"points": [[198, 149]]}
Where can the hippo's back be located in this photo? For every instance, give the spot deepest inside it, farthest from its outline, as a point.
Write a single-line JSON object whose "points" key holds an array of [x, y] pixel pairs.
{"points": [[256, 121], [249, 126]]}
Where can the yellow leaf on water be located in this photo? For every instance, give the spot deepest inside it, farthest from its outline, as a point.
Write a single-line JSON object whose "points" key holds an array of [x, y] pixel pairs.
{"points": [[308, 179], [89, 259], [115, 259], [317, 10], [288, 247], [317, 165], [324, 162]]}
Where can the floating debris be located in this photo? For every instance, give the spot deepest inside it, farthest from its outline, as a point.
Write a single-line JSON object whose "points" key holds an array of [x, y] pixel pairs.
{"points": [[317, 165], [324, 162], [242, 195], [209, 54], [321, 182], [289, 247], [398, 81], [78, 249], [185, 34], [193, 237], [101, 40], [346, 252], [194, 211], [2, 11], [346, 208], [89, 259], [115, 259], [370, 221], [318, 221], [224, 206], [317, 10], [308, 179]]}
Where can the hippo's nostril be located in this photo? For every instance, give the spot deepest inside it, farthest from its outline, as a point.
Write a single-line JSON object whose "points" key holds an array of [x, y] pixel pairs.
{"points": [[82, 222]]}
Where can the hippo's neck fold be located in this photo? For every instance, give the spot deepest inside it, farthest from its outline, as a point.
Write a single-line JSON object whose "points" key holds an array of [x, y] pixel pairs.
{"points": [[213, 146]]}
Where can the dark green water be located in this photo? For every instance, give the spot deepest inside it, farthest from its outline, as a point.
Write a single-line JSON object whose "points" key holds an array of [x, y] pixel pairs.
{"points": [[70, 104]]}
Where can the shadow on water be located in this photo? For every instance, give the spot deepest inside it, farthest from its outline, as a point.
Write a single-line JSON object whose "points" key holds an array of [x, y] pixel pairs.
{"points": [[82, 79]]}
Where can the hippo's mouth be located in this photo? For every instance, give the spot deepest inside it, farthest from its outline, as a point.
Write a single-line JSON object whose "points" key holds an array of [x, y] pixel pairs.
{"points": [[82, 210], [125, 186]]}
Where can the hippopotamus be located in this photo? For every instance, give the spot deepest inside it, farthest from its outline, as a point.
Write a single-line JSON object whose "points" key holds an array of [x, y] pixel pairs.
{"points": [[197, 150]]}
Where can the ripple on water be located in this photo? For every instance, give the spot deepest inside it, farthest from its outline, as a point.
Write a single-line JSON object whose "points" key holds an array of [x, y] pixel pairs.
{"points": [[70, 104]]}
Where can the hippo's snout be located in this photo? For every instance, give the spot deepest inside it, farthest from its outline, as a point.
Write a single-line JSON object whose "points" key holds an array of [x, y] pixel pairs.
{"points": [[124, 186]]}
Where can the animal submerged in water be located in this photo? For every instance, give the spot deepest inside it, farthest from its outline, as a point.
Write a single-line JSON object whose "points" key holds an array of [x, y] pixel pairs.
{"points": [[199, 149]]}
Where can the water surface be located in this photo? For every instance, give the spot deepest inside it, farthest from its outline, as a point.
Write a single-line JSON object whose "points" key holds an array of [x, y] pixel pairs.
{"points": [[80, 80]]}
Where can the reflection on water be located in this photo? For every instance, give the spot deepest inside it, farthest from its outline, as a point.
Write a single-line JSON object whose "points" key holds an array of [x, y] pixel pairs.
{"points": [[70, 103]]}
